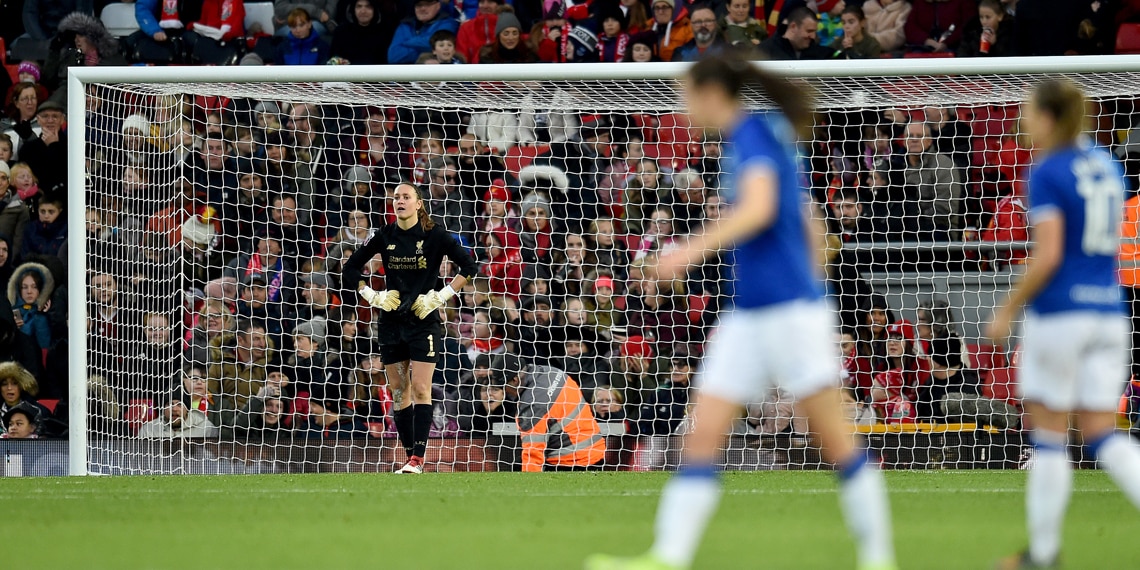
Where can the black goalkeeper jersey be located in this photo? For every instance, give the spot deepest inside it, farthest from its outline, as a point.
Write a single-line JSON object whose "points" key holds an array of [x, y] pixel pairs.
{"points": [[411, 261]]}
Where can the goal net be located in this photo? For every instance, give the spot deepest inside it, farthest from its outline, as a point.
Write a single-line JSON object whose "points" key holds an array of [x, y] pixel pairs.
{"points": [[219, 213]]}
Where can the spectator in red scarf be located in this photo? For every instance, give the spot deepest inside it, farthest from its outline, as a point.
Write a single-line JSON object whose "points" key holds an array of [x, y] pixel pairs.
{"points": [[613, 42], [894, 391], [505, 264], [548, 36], [486, 335]]}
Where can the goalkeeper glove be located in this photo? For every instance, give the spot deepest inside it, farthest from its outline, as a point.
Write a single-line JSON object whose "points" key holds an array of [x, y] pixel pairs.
{"points": [[431, 301], [383, 300]]}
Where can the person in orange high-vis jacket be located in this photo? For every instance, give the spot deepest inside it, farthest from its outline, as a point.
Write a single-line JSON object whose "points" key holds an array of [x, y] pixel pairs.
{"points": [[1129, 261], [556, 425]]}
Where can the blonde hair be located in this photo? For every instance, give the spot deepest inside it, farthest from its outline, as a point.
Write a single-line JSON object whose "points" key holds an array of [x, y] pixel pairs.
{"points": [[20, 167], [24, 379], [1065, 102], [220, 307]]}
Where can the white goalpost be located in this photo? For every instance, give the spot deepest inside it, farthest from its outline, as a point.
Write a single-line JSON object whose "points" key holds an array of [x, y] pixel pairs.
{"points": [[211, 209]]}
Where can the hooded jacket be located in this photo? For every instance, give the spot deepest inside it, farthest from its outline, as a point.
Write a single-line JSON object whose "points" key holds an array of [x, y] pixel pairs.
{"points": [[363, 45], [64, 55], [308, 51], [414, 37], [673, 35], [887, 23], [35, 321]]}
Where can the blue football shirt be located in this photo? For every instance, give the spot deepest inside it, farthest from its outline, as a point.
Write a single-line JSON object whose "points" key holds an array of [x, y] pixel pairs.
{"points": [[1086, 188], [776, 265]]}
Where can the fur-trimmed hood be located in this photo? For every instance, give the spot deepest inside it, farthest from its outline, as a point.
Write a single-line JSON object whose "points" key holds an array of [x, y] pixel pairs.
{"points": [[23, 269], [80, 24], [529, 176]]}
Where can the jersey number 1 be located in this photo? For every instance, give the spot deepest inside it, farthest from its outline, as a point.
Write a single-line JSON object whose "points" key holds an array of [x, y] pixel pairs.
{"points": [[1104, 197]]}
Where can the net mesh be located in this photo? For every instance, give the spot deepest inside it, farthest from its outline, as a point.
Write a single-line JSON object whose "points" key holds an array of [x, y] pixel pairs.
{"points": [[219, 215]]}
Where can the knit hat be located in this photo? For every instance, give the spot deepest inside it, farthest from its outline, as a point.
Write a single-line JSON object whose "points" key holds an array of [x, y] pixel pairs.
{"points": [[30, 68], [4, 169], [901, 328], [636, 346], [534, 200], [825, 6], [137, 122], [505, 367], [318, 279], [946, 352], [315, 329], [198, 231], [553, 10], [612, 10], [671, 3], [584, 40], [267, 107], [497, 191], [507, 20], [358, 175]]}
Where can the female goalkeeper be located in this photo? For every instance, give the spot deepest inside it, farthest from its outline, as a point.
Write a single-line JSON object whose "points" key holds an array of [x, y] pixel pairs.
{"points": [[410, 331]]}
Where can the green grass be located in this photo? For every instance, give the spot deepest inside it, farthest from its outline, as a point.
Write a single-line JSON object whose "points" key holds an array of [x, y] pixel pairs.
{"points": [[511, 520]]}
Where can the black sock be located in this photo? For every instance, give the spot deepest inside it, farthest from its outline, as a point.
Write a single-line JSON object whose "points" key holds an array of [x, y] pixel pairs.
{"points": [[405, 427], [423, 420]]}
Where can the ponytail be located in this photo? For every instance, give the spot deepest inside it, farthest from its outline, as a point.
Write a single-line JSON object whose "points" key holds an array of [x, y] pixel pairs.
{"points": [[734, 72], [425, 218]]}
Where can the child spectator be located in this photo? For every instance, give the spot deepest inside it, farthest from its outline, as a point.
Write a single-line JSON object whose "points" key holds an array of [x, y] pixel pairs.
{"points": [[856, 43], [991, 35], [46, 235], [894, 392], [18, 388], [740, 28], [886, 22], [548, 36], [301, 45], [602, 312], [6, 149], [508, 46], [29, 290], [479, 31], [442, 50], [613, 43], [27, 185], [22, 421]]}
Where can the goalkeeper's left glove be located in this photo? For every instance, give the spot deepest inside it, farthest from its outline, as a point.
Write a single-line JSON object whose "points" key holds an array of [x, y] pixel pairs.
{"points": [[432, 301]]}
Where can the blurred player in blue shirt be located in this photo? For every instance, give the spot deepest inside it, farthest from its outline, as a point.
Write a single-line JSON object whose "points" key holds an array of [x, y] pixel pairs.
{"points": [[1075, 336]]}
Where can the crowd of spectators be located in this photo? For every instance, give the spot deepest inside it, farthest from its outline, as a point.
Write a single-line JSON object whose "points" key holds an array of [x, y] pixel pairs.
{"points": [[219, 226]]}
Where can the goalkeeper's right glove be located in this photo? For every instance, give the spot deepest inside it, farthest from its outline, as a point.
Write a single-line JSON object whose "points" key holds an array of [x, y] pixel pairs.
{"points": [[384, 300]]}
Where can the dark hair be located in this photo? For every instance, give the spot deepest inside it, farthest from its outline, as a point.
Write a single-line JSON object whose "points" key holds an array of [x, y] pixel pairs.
{"points": [[37, 278], [858, 12], [442, 36], [55, 198], [994, 5], [702, 6], [735, 73], [800, 14]]}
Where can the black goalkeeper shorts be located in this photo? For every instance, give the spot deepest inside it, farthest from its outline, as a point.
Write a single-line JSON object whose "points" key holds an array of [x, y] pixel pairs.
{"points": [[410, 339]]}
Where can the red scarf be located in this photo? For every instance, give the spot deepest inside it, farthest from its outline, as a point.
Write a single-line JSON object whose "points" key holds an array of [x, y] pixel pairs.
{"points": [[487, 346]]}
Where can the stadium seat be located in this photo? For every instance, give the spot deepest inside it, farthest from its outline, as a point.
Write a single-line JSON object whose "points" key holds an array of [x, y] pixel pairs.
{"points": [[12, 72], [49, 404], [674, 128], [259, 13], [3, 51], [1128, 39], [928, 55], [119, 19], [986, 356], [1001, 384]]}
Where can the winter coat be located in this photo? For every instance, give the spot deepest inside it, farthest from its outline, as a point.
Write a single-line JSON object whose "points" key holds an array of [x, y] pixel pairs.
{"points": [[663, 411], [363, 45], [309, 51], [887, 25], [867, 48], [505, 270], [929, 19], [413, 37], [673, 35], [194, 425], [690, 51], [48, 161], [35, 321], [475, 34], [44, 239], [64, 55], [735, 34], [235, 382], [14, 218]]}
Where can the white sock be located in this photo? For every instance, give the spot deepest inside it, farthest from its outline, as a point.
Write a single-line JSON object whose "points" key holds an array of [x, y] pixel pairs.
{"points": [[687, 503], [1049, 485], [863, 498], [1117, 455]]}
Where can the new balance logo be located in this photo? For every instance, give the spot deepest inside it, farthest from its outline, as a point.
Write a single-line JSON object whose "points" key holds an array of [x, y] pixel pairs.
{"points": [[391, 247]]}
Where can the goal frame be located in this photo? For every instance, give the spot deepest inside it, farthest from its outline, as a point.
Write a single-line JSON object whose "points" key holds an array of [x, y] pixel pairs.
{"points": [[80, 77]]}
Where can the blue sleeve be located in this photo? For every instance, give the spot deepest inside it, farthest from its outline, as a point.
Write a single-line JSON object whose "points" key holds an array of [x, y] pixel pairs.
{"points": [[1043, 195], [145, 15], [398, 52]]}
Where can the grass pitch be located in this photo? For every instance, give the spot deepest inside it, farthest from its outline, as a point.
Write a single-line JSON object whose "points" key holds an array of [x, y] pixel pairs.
{"points": [[953, 520]]}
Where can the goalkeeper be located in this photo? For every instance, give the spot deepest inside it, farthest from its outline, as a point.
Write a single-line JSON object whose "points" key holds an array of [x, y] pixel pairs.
{"points": [[410, 329]]}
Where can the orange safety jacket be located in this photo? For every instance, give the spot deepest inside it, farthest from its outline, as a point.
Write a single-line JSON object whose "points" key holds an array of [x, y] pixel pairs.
{"points": [[1129, 259], [556, 424]]}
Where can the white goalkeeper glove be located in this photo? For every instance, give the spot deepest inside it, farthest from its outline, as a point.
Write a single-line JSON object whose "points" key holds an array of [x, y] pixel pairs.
{"points": [[432, 301], [383, 300]]}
